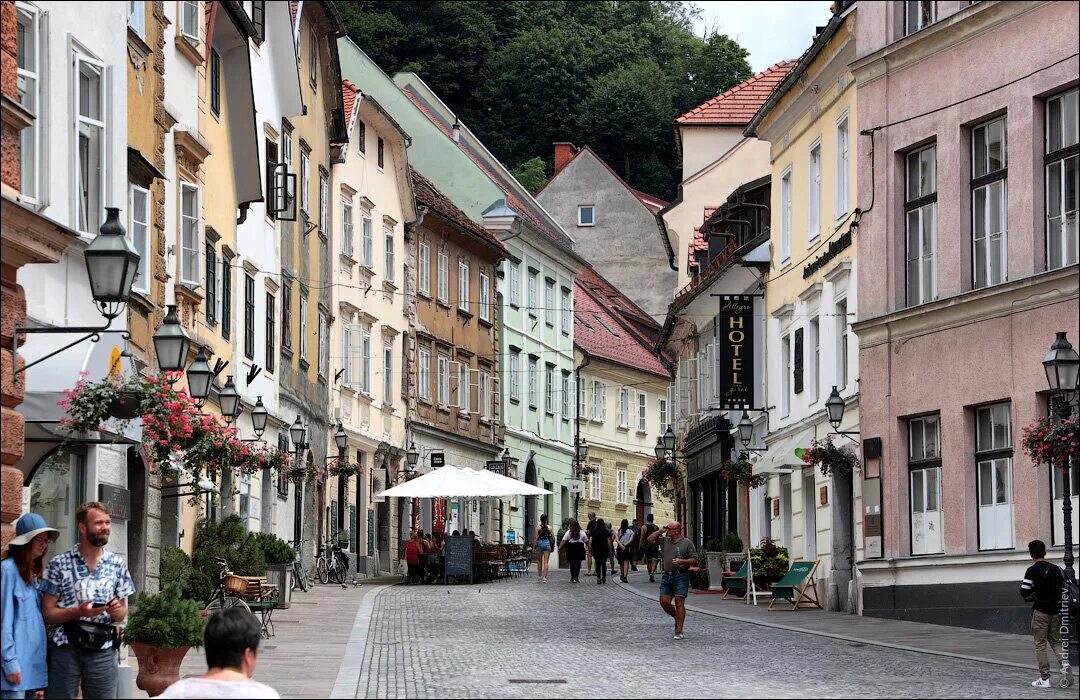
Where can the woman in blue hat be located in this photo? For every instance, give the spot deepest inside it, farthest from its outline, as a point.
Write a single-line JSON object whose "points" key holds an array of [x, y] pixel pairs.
{"points": [[22, 629]]}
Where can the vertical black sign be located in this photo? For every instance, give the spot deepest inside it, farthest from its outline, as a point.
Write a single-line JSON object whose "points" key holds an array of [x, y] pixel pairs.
{"points": [[798, 360], [735, 366], [438, 459]]}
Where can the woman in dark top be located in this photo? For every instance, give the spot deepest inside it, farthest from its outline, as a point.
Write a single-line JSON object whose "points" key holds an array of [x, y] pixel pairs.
{"points": [[600, 545], [574, 543], [622, 543]]}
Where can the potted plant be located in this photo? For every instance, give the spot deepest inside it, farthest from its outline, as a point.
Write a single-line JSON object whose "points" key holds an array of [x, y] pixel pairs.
{"points": [[769, 563], [699, 579], [733, 551], [664, 477], [742, 471], [714, 560], [160, 630], [830, 458], [279, 556], [1052, 441], [90, 404]]}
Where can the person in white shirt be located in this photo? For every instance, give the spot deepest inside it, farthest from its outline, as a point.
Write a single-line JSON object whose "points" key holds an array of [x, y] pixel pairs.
{"points": [[575, 543], [232, 646]]}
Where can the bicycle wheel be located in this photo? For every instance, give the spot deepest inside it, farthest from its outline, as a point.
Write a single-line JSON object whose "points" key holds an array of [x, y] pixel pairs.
{"points": [[339, 571], [300, 578], [321, 570], [231, 601]]}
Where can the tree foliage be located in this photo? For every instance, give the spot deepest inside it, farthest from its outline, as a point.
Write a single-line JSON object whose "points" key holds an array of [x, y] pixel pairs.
{"points": [[532, 174], [524, 74]]}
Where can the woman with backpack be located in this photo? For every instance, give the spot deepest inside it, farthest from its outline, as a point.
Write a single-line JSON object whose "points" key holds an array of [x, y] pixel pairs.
{"points": [[575, 542], [625, 553], [545, 542], [600, 545]]}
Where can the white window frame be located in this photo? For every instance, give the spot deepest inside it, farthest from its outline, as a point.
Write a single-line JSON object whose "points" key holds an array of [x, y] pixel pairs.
{"points": [[567, 395], [305, 182], [582, 208], [1060, 166], [842, 165], [324, 205], [595, 482], [567, 321], [191, 276], [423, 373], [324, 345], [534, 370], [463, 285], [515, 284], [642, 409], [444, 381], [189, 26], [367, 240], [303, 326], [917, 22], [785, 375], [483, 396], [88, 222], [139, 234], [423, 268], [785, 221], [389, 273], [443, 277], [534, 277], [925, 262], [927, 536], [620, 487], [814, 331], [347, 349], [137, 17], [515, 375], [313, 56], [31, 164], [993, 460], [662, 415], [365, 361], [346, 226], [549, 302], [582, 404], [549, 389], [813, 210], [842, 327], [485, 296], [988, 258], [464, 386], [599, 401], [388, 374]]}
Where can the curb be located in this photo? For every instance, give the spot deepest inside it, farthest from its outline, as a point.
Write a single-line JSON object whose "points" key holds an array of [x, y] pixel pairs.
{"points": [[348, 677], [842, 637]]}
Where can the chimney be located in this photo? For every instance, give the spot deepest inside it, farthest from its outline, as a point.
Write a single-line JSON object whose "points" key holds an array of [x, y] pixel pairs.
{"points": [[563, 153]]}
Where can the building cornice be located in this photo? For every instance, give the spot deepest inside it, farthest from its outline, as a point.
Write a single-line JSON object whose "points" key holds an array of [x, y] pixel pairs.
{"points": [[28, 237], [1033, 292]]}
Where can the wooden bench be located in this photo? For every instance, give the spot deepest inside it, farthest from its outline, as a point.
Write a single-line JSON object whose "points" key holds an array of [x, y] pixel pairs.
{"points": [[262, 599]]}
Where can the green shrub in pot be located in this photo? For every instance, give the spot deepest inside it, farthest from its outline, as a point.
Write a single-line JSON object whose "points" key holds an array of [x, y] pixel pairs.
{"points": [[166, 619], [274, 549]]}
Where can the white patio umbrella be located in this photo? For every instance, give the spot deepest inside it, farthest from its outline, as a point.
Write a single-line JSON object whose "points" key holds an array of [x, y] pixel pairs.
{"points": [[512, 487], [456, 482]]}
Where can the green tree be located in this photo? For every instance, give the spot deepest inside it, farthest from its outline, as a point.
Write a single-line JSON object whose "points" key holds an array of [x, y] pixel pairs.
{"points": [[532, 174]]}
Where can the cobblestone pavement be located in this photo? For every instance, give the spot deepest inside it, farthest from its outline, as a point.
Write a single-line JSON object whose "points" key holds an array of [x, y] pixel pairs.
{"points": [[525, 639]]}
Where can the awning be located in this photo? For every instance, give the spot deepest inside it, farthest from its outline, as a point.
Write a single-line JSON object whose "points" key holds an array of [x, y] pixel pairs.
{"points": [[780, 457], [455, 482]]}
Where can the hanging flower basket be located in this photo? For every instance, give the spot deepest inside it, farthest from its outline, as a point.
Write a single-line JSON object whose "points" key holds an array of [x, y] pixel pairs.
{"points": [[127, 404], [90, 404], [1053, 441], [585, 471], [743, 472], [664, 477], [830, 458], [344, 468]]}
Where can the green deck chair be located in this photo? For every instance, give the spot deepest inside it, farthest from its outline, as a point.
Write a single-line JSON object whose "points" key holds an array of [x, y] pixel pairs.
{"points": [[798, 586], [736, 584]]}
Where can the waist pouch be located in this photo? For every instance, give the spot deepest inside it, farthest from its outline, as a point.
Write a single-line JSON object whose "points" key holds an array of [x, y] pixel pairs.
{"points": [[89, 636]]}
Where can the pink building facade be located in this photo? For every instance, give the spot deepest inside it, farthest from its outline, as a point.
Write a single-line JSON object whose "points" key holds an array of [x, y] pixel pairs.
{"points": [[968, 267]]}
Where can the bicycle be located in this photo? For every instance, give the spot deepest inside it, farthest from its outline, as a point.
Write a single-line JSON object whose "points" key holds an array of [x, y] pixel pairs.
{"points": [[220, 599], [329, 564], [300, 578]]}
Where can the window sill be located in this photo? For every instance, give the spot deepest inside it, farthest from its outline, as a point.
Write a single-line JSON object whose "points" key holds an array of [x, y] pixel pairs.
{"points": [[189, 51], [642, 433], [443, 303], [141, 302], [463, 312], [515, 305], [487, 322], [138, 43], [348, 259], [623, 428], [389, 286], [515, 401], [365, 397], [424, 295], [304, 365], [286, 352], [550, 413], [388, 408], [322, 379], [189, 293], [345, 387]]}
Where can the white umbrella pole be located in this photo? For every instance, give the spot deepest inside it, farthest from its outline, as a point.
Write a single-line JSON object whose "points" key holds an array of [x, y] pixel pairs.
{"points": [[750, 578]]}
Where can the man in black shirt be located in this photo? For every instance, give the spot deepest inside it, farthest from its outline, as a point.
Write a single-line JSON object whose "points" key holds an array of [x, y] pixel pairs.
{"points": [[588, 550], [1042, 588]]}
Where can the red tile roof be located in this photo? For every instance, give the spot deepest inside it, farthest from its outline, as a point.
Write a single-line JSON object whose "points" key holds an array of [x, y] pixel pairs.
{"points": [[653, 204], [739, 104], [596, 319], [348, 99], [429, 196]]}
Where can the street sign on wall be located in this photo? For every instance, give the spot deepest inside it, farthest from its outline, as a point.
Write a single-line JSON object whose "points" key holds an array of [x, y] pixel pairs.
{"points": [[735, 366]]}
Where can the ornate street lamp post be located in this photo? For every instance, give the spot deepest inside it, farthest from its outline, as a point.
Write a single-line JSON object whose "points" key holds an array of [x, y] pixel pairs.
{"points": [[1062, 366]]}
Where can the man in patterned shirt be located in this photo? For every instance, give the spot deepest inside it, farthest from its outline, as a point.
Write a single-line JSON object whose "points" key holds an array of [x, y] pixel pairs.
{"points": [[85, 593]]}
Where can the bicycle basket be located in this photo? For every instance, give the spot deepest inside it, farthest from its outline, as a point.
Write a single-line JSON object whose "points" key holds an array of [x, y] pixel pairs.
{"points": [[235, 585]]}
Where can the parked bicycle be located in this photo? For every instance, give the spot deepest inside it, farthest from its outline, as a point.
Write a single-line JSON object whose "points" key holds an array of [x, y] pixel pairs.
{"points": [[228, 593], [330, 564], [300, 578]]}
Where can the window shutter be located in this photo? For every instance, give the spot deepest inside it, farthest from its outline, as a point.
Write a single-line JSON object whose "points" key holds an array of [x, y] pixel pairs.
{"points": [[798, 360]]}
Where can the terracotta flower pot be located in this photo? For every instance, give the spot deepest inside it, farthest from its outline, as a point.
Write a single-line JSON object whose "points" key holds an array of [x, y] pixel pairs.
{"points": [[159, 667]]}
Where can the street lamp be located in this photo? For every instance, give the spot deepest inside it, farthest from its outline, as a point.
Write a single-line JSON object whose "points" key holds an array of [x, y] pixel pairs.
{"points": [[583, 450], [259, 414], [111, 265], [229, 400], [834, 407], [341, 439], [296, 433], [669, 440], [412, 456], [199, 376], [746, 429], [171, 343], [659, 449], [1062, 367]]}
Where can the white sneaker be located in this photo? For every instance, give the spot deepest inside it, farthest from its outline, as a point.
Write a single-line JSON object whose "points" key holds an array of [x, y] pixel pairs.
{"points": [[1041, 683]]}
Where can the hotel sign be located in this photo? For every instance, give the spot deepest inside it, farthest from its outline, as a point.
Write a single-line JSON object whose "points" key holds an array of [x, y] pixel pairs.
{"points": [[735, 365]]}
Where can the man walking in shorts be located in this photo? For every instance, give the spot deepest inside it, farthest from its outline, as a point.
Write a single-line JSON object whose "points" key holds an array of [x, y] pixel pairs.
{"points": [[678, 554]]}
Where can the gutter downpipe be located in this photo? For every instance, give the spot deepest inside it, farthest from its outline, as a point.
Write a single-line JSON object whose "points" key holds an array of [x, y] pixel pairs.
{"points": [[577, 428]]}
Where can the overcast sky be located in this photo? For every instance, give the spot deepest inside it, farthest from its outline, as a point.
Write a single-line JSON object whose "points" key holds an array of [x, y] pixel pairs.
{"points": [[770, 31]]}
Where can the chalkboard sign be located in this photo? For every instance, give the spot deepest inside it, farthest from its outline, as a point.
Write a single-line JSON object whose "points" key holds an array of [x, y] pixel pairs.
{"points": [[458, 558]]}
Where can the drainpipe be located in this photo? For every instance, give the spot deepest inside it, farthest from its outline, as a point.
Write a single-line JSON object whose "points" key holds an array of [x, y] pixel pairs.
{"points": [[577, 428]]}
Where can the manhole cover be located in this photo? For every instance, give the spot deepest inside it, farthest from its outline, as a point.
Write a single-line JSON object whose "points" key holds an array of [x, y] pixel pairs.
{"points": [[537, 680]]}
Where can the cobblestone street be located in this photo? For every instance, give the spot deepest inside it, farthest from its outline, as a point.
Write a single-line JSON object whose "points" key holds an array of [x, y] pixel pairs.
{"points": [[525, 639]]}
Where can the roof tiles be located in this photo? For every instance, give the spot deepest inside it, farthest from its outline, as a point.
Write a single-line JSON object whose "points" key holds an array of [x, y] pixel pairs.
{"points": [[600, 333], [739, 104], [429, 196]]}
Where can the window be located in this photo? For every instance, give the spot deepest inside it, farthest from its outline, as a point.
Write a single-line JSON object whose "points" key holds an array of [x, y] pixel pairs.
{"points": [[549, 302], [249, 317], [270, 330], [815, 371], [594, 482], [215, 83], [365, 361], [567, 311], [920, 216], [785, 377], [272, 199], [515, 370], [305, 181], [366, 243], [463, 285], [485, 297], [989, 163], [624, 408], [813, 224], [324, 345], [464, 396], [313, 67], [303, 325], [533, 371], [388, 254], [484, 396], [642, 423], [190, 12], [515, 284], [380, 151], [567, 395], [226, 297], [842, 327], [423, 265], [139, 230], [444, 277], [785, 222], [210, 308], [444, 381], [29, 40], [533, 279], [924, 461], [579, 386], [1062, 180], [347, 347], [346, 226], [993, 461], [799, 361], [190, 228], [620, 486], [361, 136], [599, 401], [662, 412], [90, 135], [423, 374], [388, 374], [918, 15], [286, 313], [586, 215], [324, 205], [841, 205], [550, 389]]}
